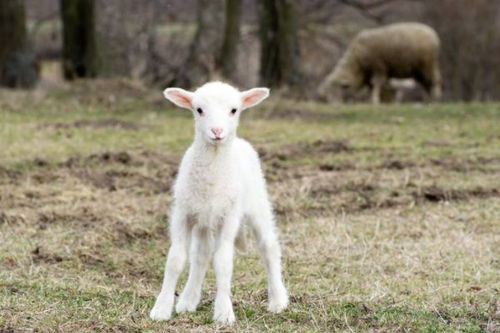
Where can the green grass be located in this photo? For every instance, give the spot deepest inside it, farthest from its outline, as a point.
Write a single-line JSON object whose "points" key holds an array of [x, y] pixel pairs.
{"points": [[389, 216]]}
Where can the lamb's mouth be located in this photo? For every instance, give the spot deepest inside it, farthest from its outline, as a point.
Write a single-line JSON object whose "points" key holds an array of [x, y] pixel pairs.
{"points": [[217, 139]]}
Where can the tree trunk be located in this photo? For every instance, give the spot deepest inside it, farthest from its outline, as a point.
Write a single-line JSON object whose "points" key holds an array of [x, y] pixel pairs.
{"points": [[200, 65], [280, 54], [80, 58], [18, 66], [470, 45], [125, 37], [228, 57]]}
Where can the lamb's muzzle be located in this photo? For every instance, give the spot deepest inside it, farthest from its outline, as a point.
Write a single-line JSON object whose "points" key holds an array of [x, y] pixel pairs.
{"points": [[217, 131]]}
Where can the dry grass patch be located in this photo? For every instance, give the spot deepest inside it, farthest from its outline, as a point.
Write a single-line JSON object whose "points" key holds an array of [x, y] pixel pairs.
{"points": [[389, 217]]}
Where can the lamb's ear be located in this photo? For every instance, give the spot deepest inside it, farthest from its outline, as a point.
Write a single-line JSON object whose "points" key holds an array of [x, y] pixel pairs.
{"points": [[253, 97], [179, 97]]}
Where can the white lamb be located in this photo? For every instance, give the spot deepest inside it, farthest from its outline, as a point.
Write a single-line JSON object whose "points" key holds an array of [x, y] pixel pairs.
{"points": [[220, 186]]}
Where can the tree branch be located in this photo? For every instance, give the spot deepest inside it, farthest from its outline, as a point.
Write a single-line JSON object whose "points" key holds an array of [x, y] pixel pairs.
{"points": [[366, 6]]}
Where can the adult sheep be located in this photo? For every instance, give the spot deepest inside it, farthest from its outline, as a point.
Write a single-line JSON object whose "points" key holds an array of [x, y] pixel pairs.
{"points": [[401, 50]]}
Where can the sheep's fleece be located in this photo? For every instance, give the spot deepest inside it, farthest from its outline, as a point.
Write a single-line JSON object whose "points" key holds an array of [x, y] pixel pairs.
{"points": [[401, 50]]}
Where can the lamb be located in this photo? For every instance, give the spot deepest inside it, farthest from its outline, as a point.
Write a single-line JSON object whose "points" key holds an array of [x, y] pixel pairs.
{"points": [[219, 187], [401, 51]]}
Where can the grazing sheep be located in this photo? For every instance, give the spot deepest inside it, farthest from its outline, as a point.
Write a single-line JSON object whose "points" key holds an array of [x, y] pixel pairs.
{"points": [[220, 186], [401, 50]]}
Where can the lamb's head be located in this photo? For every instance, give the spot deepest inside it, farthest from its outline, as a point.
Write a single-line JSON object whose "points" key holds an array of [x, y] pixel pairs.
{"points": [[216, 107]]}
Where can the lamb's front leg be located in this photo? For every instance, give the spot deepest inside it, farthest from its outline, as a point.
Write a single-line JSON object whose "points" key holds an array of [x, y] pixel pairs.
{"points": [[223, 267], [176, 260], [200, 253]]}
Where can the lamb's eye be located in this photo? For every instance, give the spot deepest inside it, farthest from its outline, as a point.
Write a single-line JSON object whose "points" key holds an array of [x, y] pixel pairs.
{"points": [[200, 111], [233, 111]]}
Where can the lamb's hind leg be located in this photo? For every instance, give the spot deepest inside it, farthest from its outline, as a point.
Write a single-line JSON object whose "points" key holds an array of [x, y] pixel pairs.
{"points": [[176, 260], [263, 225], [200, 253]]}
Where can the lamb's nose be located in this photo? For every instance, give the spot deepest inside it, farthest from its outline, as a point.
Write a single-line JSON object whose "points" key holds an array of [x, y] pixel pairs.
{"points": [[217, 131]]}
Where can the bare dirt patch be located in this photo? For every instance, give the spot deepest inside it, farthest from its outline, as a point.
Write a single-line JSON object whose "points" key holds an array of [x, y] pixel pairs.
{"points": [[481, 164], [97, 193], [276, 161], [39, 255], [294, 151], [437, 194], [145, 171], [329, 187], [10, 218], [134, 159], [355, 197], [9, 176], [304, 159], [151, 173], [397, 164]]}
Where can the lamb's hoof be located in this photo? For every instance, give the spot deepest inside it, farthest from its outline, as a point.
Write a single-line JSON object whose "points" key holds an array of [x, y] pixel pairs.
{"points": [[185, 304], [224, 314], [278, 304], [226, 318], [161, 312]]}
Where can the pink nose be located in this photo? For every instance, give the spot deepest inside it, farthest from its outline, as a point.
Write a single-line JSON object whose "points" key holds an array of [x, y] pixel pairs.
{"points": [[217, 131]]}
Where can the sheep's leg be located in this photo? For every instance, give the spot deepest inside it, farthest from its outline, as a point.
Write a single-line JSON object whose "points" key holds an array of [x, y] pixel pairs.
{"points": [[436, 85], [378, 82], [174, 266], [269, 248], [223, 268], [200, 252], [376, 89]]}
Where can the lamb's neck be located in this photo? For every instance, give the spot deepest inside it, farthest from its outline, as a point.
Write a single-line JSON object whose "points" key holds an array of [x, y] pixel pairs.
{"points": [[212, 152]]}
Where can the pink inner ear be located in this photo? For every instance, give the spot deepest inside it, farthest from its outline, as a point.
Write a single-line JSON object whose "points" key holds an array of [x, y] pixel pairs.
{"points": [[181, 98], [251, 98]]}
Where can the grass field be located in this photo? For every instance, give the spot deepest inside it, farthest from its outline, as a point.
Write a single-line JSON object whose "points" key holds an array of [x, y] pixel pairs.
{"points": [[389, 217]]}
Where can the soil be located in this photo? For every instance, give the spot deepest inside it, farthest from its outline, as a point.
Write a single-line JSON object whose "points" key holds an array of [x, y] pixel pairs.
{"points": [[328, 187]]}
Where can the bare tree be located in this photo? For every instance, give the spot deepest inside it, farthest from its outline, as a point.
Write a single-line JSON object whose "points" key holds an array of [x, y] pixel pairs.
{"points": [[125, 32], [80, 58], [366, 8], [470, 47], [200, 64], [18, 66], [280, 55], [227, 60]]}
